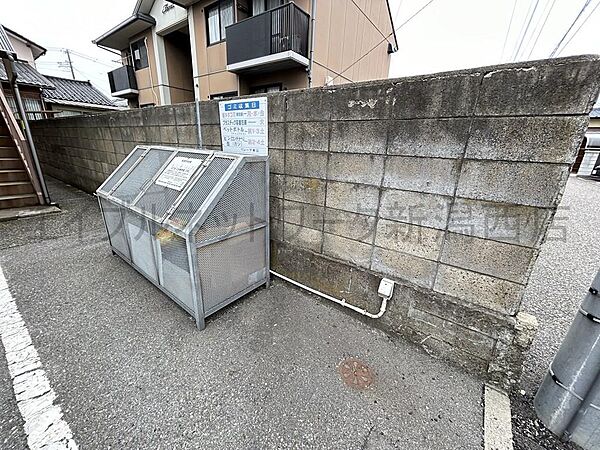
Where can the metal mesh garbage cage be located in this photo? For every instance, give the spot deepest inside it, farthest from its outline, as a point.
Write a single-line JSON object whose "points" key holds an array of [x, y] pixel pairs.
{"points": [[193, 222]]}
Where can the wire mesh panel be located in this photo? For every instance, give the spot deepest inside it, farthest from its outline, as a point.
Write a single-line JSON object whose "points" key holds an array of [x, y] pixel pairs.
{"points": [[141, 175], [158, 198], [114, 178], [231, 266], [198, 194], [114, 227], [242, 205], [140, 240], [175, 271]]}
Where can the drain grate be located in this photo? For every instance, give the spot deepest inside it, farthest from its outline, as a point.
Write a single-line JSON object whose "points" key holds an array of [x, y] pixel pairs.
{"points": [[356, 373]]}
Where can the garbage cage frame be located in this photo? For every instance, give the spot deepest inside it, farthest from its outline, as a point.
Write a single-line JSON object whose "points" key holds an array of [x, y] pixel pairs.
{"points": [[188, 230]]}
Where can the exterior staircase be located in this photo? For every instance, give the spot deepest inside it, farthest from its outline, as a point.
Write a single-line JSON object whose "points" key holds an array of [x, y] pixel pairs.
{"points": [[16, 188]]}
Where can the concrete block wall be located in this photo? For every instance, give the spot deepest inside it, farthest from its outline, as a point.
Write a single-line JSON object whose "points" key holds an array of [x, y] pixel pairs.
{"points": [[446, 183]]}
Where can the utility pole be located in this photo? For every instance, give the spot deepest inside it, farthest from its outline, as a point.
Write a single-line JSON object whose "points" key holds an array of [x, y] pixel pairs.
{"points": [[70, 62]]}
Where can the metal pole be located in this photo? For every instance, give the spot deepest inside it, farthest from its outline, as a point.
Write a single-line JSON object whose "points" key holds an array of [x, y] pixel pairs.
{"points": [[28, 135], [313, 12], [199, 130], [70, 63]]}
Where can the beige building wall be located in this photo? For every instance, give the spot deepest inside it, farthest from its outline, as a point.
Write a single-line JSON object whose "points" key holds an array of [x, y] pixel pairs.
{"points": [[147, 78], [343, 35], [179, 70], [24, 53]]}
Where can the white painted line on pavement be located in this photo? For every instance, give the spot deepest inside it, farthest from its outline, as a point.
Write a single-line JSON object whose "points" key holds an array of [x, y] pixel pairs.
{"points": [[497, 420], [44, 424]]}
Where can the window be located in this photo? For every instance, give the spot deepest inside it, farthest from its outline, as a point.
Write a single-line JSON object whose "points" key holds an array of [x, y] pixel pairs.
{"points": [[218, 16], [260, 6], [266, 89], [223, 95], [33, 107], [139, 54]]}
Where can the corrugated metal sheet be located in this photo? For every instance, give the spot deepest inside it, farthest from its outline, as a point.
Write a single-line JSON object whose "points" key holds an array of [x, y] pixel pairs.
{"points": [[5, 44], [27, 75]]}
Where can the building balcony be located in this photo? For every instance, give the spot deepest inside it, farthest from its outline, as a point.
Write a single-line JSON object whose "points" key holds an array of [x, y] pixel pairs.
{"points": [[274, 40], [123, 83]]}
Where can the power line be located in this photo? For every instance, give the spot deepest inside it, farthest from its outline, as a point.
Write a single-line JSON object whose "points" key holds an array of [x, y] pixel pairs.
{"points": [[383, 40], [369, 19], [537, 2], [541, 29], [398, 10], [521, 35], [508, 30], [570, 28], [578, 28]]}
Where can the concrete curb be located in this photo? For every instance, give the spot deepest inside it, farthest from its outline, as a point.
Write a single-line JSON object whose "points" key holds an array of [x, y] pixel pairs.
{"points": [[497, 434]]}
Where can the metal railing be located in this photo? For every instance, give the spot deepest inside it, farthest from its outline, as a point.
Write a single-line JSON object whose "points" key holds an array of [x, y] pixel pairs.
{"points": [[280, 29]]}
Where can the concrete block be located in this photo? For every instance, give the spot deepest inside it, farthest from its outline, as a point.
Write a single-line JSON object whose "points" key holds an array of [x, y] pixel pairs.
{"points": [[362, 102], [276, 230], [435, 138], [187, 135], [350, 225], [115, 134], [304, 214], [533, 184], [429, 175], [307, 136], [559, 86], [471, 341], [307, 190], [276, 160], [277, 135], [168, 135], [357, 198], [353, 168], [430, 210], [537, 139], [276, 185], [276, 106], [126, 134], [522, 225], [492, 293], [209, 112], [211, 135], [359, 136], [415, 270], [412, 239], [276, 208], [306, 164], [497, 259], [147, 134], [308, 105], [354, 252], [185, 114], [303, 237], [443, 95]]}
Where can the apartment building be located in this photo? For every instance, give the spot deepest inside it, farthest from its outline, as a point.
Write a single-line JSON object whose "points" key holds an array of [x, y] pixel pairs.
{"points": [[178, 51]]}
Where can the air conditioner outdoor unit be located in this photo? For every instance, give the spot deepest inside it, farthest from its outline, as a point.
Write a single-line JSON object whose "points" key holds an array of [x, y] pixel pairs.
{"points": [[193, 222]]}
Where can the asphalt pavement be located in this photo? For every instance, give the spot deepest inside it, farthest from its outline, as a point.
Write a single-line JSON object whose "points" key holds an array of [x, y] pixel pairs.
{"points": [[131, 370]]}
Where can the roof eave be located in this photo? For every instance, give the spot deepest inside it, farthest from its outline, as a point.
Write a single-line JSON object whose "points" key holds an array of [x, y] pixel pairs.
{"points": [[121, 33], [41, 50]]}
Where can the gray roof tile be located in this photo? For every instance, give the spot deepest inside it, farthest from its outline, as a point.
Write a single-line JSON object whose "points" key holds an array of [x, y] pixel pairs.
{"points": [[75, 91], [27, 75]]}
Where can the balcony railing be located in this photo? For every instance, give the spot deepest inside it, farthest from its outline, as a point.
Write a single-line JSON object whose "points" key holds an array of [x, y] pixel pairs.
{"points": [[278, 36], [123, 82]]}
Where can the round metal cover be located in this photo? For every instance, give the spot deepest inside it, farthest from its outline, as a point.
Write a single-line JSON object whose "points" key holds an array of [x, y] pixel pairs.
{"points": [[356, 374]]}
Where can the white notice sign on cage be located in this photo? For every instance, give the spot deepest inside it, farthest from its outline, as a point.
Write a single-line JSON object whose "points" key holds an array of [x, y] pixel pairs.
{"points": [[244, 126], [178, 172]]}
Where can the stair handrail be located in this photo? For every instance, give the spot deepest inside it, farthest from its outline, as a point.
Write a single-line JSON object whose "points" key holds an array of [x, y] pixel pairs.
{"points": [[22, 145]]}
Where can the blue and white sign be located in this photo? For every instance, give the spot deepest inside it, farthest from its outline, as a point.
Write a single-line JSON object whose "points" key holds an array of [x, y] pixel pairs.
{"points": [[245, 126]]}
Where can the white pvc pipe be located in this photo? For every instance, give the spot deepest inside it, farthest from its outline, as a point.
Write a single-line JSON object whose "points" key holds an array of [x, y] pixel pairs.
{"points": [[335, 300]]}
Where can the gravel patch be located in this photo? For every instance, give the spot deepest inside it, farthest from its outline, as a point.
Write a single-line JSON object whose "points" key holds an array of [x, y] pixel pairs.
{"points": [[567, 263]]}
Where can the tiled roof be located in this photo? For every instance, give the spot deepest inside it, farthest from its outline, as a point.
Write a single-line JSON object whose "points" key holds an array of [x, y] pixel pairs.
{"points": [[27, 75], [75, 92], [595, 113]]}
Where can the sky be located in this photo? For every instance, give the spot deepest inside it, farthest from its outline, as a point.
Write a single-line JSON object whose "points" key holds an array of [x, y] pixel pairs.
{"points": [[445, 35]]}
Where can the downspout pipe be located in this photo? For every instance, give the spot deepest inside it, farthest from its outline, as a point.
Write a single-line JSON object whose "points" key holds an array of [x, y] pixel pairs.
{"points": [[311, 59], [9, 65], [341, 302]]}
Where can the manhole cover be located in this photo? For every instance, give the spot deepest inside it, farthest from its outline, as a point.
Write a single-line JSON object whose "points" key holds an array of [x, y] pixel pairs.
{"points": [[356, 374]]}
